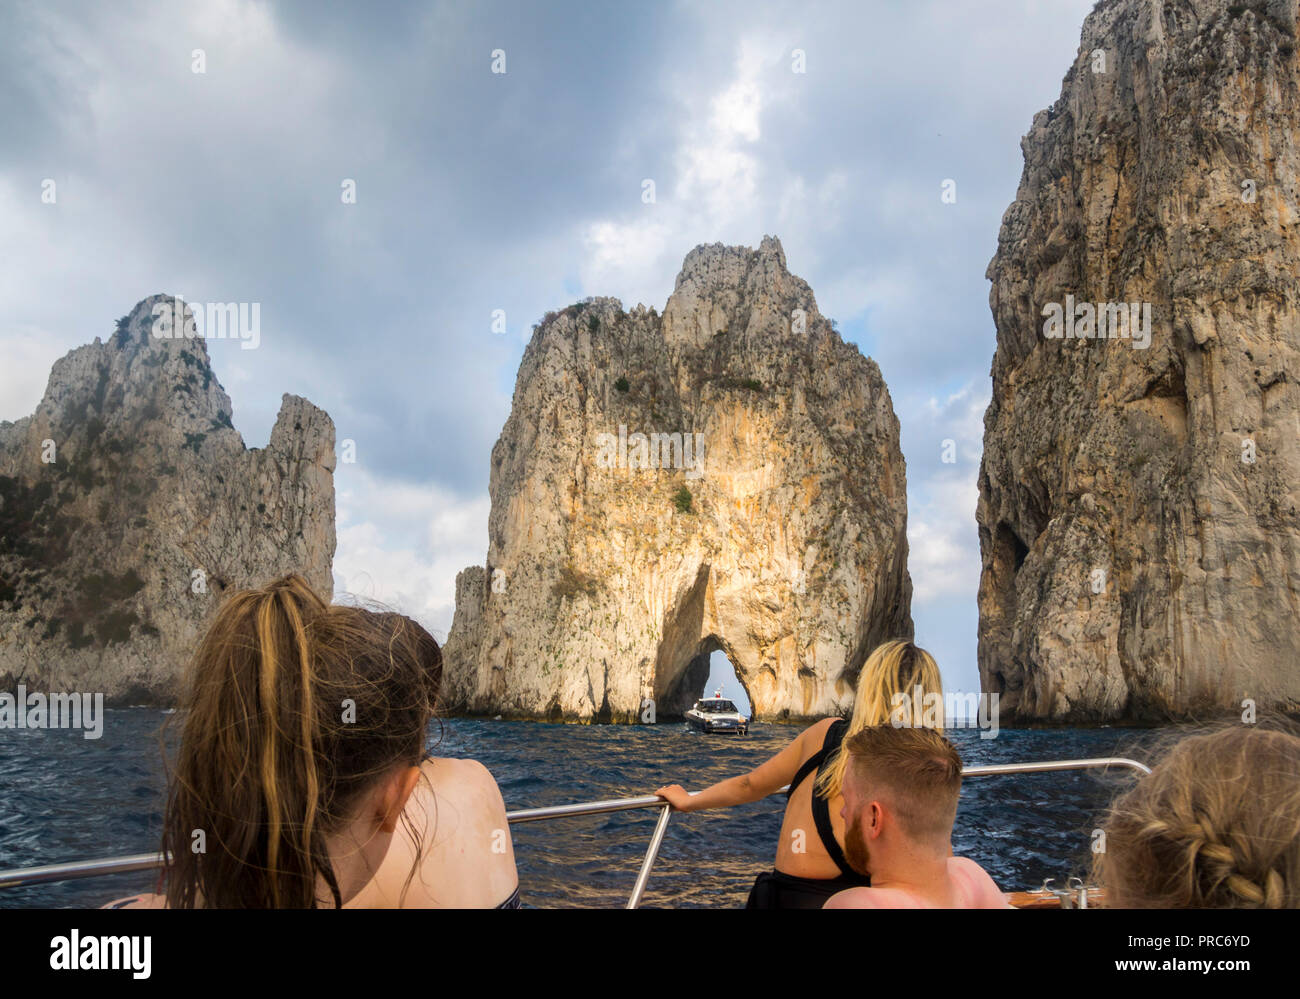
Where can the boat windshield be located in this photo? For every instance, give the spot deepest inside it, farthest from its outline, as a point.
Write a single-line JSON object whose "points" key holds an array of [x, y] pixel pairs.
{"points": [[714, 707]]}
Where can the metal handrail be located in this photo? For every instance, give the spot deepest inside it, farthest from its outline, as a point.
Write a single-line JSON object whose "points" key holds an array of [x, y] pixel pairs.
{"points": [[1000, 769], [149, 861]]}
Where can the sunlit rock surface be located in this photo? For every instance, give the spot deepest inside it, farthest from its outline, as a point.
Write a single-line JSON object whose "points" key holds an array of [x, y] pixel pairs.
{"points": [[770, 524]]}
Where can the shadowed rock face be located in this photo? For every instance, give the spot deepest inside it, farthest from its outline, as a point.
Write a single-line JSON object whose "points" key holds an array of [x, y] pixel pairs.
{"points": [[1134, 565], [114, 556], [616, 565]]}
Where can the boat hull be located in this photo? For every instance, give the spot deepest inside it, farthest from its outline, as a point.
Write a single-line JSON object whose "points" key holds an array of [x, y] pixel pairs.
{"points": [[717, 728]]}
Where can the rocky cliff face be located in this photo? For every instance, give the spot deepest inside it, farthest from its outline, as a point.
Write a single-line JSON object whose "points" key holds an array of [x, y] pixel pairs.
{"points": [[115, 553], [1138, 505], [724, 476]]}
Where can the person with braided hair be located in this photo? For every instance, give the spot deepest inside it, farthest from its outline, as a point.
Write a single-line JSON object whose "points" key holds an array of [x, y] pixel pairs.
{"points": [[1215, 825]]}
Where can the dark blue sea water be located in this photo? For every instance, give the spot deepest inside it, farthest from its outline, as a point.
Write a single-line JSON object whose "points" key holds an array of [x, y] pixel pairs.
{"points": [[65, 798]]}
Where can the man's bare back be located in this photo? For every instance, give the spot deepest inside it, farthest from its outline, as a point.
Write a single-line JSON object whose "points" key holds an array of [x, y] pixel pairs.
{"points": [[968, 886]]}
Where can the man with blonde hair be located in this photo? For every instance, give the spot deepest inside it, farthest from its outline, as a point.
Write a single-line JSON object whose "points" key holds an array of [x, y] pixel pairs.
{"points": [[901, 787]]}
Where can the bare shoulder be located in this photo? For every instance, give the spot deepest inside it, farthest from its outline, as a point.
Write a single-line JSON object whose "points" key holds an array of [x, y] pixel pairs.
{"points": [[971, 871], [463, 778], [981, 890], [852, 898], [815, 734], [872, 898], [456, 768]]}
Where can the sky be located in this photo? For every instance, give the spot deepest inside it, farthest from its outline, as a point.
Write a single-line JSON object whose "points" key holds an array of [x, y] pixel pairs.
{"points": [[208, 150]]}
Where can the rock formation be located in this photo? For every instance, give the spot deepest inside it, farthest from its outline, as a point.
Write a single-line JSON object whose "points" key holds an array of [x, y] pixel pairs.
{"points": [[726, 476], [114, 554], [1138, 505]]}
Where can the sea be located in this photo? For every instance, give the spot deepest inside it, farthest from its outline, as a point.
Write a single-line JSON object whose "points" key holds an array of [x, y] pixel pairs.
{"points": [[67, 798]]}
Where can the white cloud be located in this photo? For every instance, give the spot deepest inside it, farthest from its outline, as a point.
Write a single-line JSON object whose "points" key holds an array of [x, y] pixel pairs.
{"points": [[631, 256], [943, 542], [961, 415], [401, 544], [28, 356], [715, 194]]}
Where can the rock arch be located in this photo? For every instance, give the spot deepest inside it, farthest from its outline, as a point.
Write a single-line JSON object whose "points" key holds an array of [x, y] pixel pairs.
{"points": [[677, 689], [784, 545]]}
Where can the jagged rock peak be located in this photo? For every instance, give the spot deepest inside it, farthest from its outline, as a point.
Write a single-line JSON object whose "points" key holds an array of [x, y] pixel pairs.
{"points": [[718, 265], [718, 285], [129, 505], [724, 476], [1141, 470]]}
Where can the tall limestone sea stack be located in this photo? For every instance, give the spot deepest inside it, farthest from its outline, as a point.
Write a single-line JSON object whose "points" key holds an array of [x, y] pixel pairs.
{"points": [[724, 476], [129, 507], [1138, 505]]}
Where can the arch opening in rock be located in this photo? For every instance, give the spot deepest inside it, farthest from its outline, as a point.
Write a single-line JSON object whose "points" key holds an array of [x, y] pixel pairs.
{"points": [[725, 679], [679, 684]]}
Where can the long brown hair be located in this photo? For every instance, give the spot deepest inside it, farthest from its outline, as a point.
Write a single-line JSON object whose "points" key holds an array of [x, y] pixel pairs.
{"points": [[1215, 825], [295, 708]]}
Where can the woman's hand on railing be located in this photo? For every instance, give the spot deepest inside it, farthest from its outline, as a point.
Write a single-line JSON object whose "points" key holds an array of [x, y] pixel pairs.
{"points": [[677, 796]]}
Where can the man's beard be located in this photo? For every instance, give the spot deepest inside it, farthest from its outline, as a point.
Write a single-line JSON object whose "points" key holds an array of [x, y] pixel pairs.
{"points": [[855, 848]]}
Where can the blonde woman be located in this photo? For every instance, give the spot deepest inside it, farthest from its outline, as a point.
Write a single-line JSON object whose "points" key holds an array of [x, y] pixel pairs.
{"points": [[1215, 825], [810, 864]]}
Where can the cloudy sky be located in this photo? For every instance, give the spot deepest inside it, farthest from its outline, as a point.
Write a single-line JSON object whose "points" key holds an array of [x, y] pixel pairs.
{"points": [[519, 191]]}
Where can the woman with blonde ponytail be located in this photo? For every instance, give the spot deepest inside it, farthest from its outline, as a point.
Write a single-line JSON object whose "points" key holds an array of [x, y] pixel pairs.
{"points": [[810, 863], [303, 745]]}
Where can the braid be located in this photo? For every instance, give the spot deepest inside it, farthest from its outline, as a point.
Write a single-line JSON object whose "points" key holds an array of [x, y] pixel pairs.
{"points": [[1213, 826], [1224, 865], [1274, 890]]}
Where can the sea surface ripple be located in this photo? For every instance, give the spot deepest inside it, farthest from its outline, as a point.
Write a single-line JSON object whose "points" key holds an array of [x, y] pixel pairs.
{"points": [[66, 798]]}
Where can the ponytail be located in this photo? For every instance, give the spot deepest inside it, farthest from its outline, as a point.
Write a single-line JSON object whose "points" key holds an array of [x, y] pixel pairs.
{"points": [[295, 709]]}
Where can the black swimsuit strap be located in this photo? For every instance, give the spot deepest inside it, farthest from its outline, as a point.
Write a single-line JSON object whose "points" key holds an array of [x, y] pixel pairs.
{"points": [[513, 901], [821, 810], [813, 762]]}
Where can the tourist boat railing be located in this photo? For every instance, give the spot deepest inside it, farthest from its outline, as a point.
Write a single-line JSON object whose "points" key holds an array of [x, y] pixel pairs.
{"points": [[149, 861]]}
